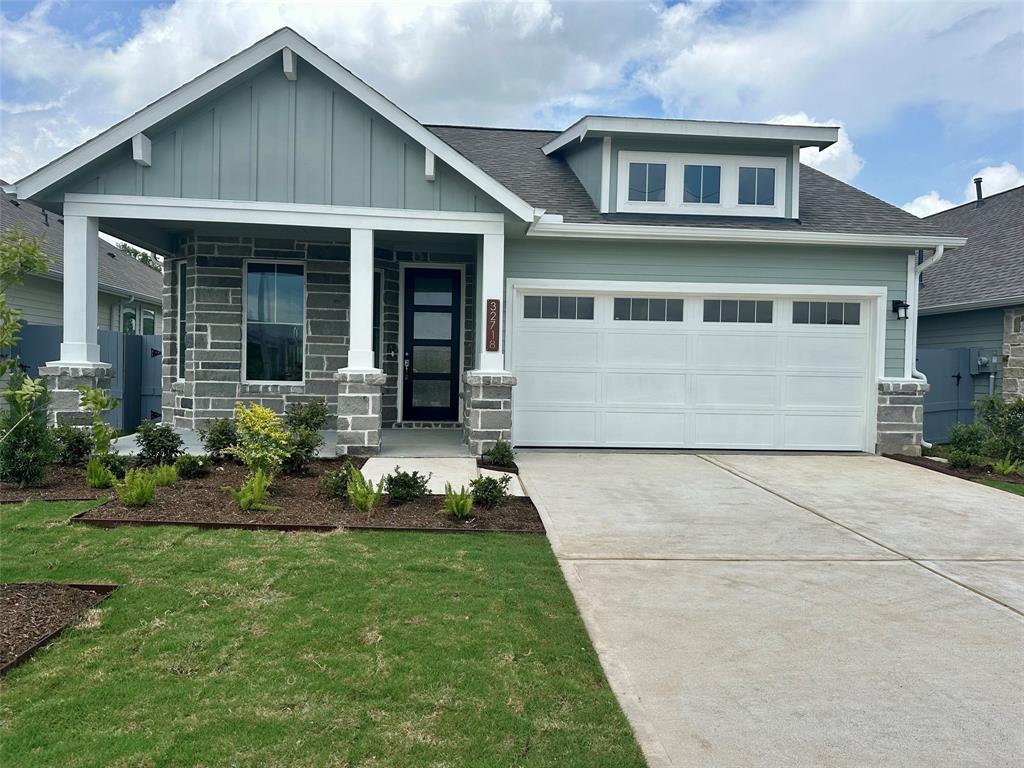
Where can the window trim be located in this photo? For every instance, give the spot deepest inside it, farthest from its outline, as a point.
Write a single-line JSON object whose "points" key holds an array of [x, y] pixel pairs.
{"points": [[245, 321], [675, 163]]}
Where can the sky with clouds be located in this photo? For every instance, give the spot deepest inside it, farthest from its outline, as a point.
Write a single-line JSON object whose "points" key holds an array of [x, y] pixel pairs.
{"points": [[928, 94]]}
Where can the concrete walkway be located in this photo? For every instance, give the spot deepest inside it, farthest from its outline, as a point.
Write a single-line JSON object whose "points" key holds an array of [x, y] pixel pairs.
{"points": [[796, 610]]}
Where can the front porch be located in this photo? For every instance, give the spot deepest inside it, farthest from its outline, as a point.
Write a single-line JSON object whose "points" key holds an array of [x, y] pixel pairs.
{"points": [[382, 324]]}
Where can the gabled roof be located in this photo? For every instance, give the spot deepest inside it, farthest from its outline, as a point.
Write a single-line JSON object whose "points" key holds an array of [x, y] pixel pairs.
{"points": [[117, 271], [236, 66], [517, 159], [989, 270]]}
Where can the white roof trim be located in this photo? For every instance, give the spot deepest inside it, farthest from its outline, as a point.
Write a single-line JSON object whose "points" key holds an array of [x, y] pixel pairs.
{"points": [[804, 135], [735, 235], [967, 306], [237, 65]]}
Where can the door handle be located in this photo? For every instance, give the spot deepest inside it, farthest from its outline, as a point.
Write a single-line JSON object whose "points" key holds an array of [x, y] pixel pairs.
{"points": [[406, 366]]}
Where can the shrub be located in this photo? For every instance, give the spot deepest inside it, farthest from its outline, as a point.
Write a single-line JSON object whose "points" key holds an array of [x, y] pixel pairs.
{"points": [[1007, 467], [335, 482], [458, 504], [189, 467], [97, 475], [968, 438], [74, 444], [218, 436], [165, 475], [302, 447], [262, 441], [158, 444], [137, 489], [1004, 423], [362, 493], [490, 491], [115, 463], [26, 445], [405, 486], [97, 402], [501, 454], [959, 459], [312, 415], [253, 492]]}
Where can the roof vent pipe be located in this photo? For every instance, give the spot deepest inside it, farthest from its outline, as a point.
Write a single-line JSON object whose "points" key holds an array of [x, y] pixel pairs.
{"points": [[977, 188]]}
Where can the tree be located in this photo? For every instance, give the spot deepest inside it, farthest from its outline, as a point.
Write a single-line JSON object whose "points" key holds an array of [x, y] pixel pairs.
{"points": [[20, 255], [138, 254]]}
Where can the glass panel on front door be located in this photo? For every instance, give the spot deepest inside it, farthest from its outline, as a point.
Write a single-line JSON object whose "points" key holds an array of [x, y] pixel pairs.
{"points": [[430, 369]]}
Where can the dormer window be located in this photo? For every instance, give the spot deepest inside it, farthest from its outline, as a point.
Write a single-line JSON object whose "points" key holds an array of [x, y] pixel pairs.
{"points": [[647, 182], [702, 184], [757, 186]]}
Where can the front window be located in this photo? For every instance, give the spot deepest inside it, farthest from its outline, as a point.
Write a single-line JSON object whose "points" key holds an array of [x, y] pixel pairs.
{"points": [[702, 184], [757, 186], [274, 312], [148, 322], [647, 182], [128, 321]]}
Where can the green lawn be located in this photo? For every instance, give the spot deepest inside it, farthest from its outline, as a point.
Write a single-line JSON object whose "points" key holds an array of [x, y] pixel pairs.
{"points": [[271, 649], [1002, 485]]}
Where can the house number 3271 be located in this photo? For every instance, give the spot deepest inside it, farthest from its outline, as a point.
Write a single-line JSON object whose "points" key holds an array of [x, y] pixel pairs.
{"points": [[493, 324]]}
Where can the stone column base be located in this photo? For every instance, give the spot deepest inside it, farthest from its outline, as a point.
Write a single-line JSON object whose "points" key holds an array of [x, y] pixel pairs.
{"points": [[65, 399], [901, 417], [359, 412], [488, 409]]}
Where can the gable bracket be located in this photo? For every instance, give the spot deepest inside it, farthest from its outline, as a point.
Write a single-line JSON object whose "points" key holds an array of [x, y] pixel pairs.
{"points": [[142, 150], [288, 59]]}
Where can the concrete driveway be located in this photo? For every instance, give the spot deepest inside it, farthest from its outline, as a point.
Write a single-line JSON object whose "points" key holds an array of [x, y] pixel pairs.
{"points": [[796, 610]]}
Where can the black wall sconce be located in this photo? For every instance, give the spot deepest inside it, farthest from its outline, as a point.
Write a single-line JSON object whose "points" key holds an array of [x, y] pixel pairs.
{"points": [[900, 307]]}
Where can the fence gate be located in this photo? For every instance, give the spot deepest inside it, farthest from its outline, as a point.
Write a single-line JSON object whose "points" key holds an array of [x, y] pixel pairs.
{"points": [[951, 397], [151, 377]]}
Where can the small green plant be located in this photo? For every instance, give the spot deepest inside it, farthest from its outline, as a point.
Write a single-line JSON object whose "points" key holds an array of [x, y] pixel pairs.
{"points": [[334, 483], [97, 475], [262, 440], [312, 415], [158, 444], [137, 489], [362, 493], [1007, 467], [405, 486], [1004, 423], [26, 444], [165, 475], [116, 463], [74, 444], [501, 455], [490, 491], [252, 494], [97, 402], [458, 504], [959, 459], [968, 438], [303, 444], [191, 467], [218, 436]]}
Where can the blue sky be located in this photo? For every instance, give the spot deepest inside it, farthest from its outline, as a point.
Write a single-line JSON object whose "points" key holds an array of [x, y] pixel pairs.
{"points": [[928, 94]]}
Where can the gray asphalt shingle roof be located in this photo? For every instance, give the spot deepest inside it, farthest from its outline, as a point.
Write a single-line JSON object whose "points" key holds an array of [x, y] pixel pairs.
{"points": [[991, 266], [514, 158], [116, 270]]}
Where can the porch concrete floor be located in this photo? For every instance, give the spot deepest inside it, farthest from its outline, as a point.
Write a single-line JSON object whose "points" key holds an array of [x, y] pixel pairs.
{"points": [[423, 443]]}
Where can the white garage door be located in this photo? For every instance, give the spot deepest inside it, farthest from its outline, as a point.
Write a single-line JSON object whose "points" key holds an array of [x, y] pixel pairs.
{"points": [[692, 371]]}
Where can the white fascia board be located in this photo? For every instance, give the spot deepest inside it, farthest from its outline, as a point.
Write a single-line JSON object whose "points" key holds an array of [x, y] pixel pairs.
{"points": [[805, 135], [968, 306], [725, 234], [237, 65], [282, 214]]}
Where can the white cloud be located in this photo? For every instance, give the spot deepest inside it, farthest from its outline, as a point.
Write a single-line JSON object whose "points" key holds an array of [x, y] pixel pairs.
{"points": [[840, 160], [995, 179]]}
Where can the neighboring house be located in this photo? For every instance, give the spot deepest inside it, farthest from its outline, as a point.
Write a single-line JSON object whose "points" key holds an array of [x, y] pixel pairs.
{"points": [[625, 282], [129, 298], [970, 330]]}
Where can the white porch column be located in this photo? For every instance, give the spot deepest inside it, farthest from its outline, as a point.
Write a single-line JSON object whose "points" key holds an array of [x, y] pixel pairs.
{"points": [[79, 348], [492, 282], [360, 315]]}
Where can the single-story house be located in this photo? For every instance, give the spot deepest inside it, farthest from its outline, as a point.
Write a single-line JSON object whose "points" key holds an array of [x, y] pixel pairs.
{"points": [[129, 295], [625, 282], [971, 324]]}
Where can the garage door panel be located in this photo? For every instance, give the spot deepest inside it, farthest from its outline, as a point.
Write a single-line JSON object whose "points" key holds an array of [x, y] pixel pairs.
{"points": [[823, 391], [734, 430], [833, 352], [538, 347], [735, 350], [644, 388], [648, 350], [630, 428], [735, 390], [547, 387], [557, 427], [823, 431]]}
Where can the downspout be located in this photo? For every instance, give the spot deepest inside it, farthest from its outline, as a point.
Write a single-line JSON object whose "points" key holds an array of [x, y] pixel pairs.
{"points": [[913, 291]]}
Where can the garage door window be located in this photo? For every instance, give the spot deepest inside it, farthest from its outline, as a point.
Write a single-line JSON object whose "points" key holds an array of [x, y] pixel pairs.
{"points": [[826, 313], [737, 311], [558, 307], [657, 310]]}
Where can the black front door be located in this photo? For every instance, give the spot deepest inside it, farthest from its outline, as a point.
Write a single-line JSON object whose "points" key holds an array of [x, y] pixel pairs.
{"points": [[430, 388]]}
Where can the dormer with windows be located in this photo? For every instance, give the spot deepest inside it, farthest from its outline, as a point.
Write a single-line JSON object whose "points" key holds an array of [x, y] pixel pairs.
{"points": [[652, 166]]}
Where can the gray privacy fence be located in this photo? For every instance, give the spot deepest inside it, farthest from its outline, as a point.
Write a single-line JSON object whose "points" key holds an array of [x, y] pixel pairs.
{"points": [[135, 359]]}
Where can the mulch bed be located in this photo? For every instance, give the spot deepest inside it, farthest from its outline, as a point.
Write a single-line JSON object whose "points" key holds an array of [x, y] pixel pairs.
{"points": [[484, 464], [33, 614], [60, 484], [964, 474], [301, 506]]}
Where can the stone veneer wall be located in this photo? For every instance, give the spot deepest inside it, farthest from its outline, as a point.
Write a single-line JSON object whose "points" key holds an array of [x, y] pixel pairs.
{"points": [[901, 416], [1013, 354]]}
